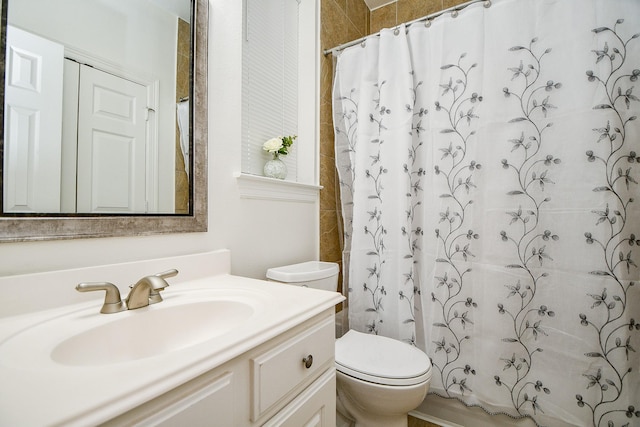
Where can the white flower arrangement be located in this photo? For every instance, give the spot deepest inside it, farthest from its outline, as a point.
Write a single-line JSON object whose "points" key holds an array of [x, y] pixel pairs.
{"points": [[279, 145]]}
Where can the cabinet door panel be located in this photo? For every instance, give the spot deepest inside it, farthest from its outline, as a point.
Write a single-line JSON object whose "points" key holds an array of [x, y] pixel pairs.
{"points": [[212, 405], [203, 402]]}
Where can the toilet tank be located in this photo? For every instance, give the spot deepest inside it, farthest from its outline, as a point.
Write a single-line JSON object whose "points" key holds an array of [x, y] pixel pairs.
{"points": [[312, 274]]}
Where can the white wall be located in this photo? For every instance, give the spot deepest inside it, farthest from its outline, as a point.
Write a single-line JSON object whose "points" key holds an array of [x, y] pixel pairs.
{"points": [[259, 233]]}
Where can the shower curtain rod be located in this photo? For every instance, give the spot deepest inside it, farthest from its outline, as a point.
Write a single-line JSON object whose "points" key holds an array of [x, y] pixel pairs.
{"points": [[454, 12]]}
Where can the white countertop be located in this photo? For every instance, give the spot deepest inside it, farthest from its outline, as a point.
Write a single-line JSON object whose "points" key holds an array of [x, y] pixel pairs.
{"points": [[37, 391]]}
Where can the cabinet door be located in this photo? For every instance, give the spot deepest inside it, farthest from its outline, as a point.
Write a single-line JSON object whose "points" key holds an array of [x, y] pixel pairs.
{"points": [[314, 407], [203, 402]]}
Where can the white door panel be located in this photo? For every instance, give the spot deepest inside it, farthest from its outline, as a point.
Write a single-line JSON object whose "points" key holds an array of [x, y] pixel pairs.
{"points": [[32, 126], [111, 144], [113, 162]]}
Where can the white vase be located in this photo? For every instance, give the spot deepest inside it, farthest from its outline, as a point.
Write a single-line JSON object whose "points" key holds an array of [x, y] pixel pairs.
{"points": [[275, 168]]}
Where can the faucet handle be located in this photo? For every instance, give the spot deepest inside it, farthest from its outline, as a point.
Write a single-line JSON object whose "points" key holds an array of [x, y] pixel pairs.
{"points": [[163, 275], [166, 274], [112, 301], [154, 294]]}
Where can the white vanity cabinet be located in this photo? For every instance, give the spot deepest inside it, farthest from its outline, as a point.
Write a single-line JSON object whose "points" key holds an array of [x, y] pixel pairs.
{"points": [[287, 381]]}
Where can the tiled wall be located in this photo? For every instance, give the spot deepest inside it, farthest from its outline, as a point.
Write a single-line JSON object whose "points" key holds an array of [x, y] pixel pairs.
{"points": [[407, 10], [415, 422], [343, 21]]}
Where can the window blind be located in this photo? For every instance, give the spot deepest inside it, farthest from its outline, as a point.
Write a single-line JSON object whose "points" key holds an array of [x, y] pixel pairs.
{"points": [[270, 81]]}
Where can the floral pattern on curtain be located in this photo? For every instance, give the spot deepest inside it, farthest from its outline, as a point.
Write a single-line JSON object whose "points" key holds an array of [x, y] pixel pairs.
{"points": [[489, 183]]}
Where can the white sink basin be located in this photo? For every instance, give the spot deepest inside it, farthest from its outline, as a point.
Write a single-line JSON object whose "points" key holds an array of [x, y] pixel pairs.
{"points": [[151, 333], [70, 365], [83, 337]]}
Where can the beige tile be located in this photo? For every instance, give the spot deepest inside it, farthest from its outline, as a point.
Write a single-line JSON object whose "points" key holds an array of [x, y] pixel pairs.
{"points": [[327, 139], [342, 21], [326, 78], [408, 10], [368, 30], [326, 119], [358, 14], [326, 114], [326, 130], [184, 37], [183, 60], [182, 83], [335, 27], [384, 17], [182, 193], [326, 127], [339, 306], [450, 3], [415, 422], [435, 5], [329, 239], [328, 182]]}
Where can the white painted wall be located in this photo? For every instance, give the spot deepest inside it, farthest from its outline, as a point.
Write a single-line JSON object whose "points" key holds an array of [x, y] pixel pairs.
{"points": [[265, 233], [259, 233]]}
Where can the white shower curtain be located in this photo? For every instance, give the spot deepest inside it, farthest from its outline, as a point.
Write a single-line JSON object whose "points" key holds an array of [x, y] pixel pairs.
{"points": [[489, 181]]}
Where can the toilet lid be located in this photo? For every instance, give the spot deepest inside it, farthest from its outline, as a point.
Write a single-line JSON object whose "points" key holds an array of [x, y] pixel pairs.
{"points": [[381, 360]]}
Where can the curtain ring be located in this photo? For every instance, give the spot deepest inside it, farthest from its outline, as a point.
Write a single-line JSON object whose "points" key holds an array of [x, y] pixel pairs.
{"points": [[363, 44], [427, 23], [454, 13], [396, 31], [487, 3]]}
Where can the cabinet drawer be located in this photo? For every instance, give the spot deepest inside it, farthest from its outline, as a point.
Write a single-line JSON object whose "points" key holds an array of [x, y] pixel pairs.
{"points": [[277, 374], [314, 407]]}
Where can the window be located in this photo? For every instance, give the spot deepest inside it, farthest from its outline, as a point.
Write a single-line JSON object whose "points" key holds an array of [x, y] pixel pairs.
{"points": [[270, 84]]}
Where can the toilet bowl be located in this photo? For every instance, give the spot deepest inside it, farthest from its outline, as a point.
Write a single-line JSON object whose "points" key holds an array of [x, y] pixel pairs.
{"points": [[379, 379]]}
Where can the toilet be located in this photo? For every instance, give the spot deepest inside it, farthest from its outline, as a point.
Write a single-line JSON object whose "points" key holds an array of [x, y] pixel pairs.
{"points": [[379, 379]]}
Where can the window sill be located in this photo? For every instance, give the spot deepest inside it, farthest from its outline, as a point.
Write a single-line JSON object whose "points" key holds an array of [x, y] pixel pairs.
{"points": [[260, 187]]}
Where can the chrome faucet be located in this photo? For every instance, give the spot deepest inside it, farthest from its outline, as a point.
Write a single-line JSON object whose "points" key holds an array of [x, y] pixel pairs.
{"points": [[147, 290]]}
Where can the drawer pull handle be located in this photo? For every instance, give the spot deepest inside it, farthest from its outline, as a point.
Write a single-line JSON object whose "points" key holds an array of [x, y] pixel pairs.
{"points": [[308, 361]]}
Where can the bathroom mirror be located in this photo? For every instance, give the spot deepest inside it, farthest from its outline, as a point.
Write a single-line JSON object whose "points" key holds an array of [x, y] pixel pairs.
{"points": [[49, 224]]}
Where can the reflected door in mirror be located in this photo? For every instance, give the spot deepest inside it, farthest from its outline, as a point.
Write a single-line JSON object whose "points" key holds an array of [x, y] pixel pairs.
{"points": [[112, 134], [32, 127]]}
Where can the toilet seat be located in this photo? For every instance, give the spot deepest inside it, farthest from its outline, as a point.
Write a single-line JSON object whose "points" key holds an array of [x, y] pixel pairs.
{"points": [[381, 360]]}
